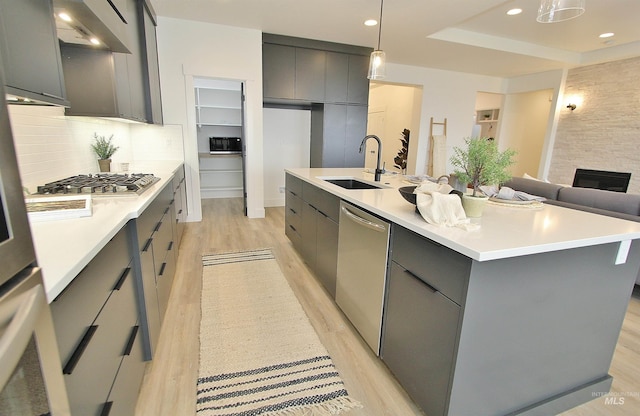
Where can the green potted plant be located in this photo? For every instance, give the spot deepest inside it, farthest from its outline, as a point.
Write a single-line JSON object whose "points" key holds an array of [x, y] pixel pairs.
{"points": [[104, 148], [481, 163], [401, 159]]}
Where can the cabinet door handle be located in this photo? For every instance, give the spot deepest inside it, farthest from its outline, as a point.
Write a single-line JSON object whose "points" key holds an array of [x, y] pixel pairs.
{"points": [[147, 244], [161, 272], [132, 339], [158, 225], [293, 228], [122, 278], [166, 210], [292, 210], [415, 276], [46, 94], [106, 409], [170, 246], [82, 346]]}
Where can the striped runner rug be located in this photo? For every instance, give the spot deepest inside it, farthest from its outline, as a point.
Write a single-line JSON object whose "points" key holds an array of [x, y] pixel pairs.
{"points": [[259, 354]]}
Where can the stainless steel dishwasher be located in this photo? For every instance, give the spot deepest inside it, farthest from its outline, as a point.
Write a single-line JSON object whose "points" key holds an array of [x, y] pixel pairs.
{"points": [[363, 247]]}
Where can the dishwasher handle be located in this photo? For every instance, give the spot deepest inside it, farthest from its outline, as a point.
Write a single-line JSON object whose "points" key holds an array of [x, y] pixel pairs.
{"points": [[362, 221]]}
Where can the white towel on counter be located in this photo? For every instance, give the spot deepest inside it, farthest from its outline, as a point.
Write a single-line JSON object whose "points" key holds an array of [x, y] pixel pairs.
{"points": [[438, 207]]}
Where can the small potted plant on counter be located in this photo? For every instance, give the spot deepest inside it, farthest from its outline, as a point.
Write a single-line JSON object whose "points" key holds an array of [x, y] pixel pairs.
{"points": [[481, 163], [104, 149]]}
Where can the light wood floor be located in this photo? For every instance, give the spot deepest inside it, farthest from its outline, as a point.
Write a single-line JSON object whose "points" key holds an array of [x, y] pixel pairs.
{"points": [[169, 386]]}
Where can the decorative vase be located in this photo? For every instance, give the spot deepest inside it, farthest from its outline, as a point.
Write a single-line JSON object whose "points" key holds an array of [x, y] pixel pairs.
{"points": [[105, 165], [474, 205]]}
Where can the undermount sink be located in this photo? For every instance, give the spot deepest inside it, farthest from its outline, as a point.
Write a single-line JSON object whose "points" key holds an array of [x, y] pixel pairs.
{"points": [[352, 184]]}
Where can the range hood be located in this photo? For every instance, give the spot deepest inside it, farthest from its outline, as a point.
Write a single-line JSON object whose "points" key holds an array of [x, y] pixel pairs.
{"points": [[105, 20]]}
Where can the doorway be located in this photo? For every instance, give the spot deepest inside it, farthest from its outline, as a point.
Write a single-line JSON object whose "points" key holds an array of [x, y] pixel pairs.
{"points": [[393, 108], [219, 106]]}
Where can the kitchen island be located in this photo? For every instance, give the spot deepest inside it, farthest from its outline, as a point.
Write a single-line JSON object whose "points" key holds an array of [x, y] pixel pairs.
{"points": [[520, 316]]}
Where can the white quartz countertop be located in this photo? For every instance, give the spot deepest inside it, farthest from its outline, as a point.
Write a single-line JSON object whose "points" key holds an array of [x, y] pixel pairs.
{"points": [[65, 247], [505, 231]]}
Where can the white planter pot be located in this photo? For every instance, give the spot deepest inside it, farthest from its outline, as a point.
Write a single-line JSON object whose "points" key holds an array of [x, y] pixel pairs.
{"points": [[474, 205]]}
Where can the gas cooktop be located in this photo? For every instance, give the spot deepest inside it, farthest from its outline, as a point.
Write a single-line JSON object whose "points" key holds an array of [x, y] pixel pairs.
{"points": [[101, 184]]}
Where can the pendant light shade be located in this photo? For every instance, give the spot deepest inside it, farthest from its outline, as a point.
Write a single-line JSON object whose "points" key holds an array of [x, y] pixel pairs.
{"points": [[378, 58], [377, 65], [552, 11]]}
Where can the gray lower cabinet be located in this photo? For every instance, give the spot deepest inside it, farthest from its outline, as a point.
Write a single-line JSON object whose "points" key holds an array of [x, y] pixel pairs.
{"points": [[420, 328], [180, 201], [422, 318], [154, 242], [29, 51], [311, 223], [95, 319]]}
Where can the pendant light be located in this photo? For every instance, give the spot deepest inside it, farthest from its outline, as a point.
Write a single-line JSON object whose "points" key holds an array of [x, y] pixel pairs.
{"points": [[552, 11], [378, 59]]}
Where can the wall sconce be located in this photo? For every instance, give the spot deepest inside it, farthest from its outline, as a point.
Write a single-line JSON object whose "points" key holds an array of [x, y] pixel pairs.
{"points": [[571, 106]]}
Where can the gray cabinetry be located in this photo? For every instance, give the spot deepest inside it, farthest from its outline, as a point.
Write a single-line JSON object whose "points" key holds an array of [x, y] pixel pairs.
{"points": [[96, 319], [278, 71], [311, 223], [310, 75], [336, 133], [426, 287], [180, 201], [337, 77], [151, 70], [126, 89], [155, 264], [29, 51]]}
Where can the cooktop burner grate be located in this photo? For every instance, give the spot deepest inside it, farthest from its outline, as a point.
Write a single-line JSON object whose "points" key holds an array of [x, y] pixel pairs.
{"points": [[101, 183]]}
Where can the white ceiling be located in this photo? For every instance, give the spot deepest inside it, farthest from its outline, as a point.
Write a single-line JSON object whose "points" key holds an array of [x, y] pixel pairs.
{"points": [[473, 36]]}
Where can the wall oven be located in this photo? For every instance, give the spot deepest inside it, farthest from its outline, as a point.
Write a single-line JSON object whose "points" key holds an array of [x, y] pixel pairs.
{"points": [[31, 380], [225, 145]]}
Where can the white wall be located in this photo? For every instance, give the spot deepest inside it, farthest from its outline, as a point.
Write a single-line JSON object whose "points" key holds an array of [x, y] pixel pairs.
{"points": [[188, 50], [396, 103], [445, 94], [287, 137], [524, 127]]}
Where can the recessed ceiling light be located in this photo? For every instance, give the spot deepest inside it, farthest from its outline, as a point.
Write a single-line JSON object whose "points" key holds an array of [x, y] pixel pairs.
{"points": [[514, 12], [64, 17], [607, 35], [371, 22], [94, 41]]}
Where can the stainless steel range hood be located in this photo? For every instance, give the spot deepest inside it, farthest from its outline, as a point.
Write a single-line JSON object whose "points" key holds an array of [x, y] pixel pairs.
{"points": [[105, 20]]}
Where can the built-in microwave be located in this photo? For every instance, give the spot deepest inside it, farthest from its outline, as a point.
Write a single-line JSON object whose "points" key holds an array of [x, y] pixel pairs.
{"points": [[225, 145]]}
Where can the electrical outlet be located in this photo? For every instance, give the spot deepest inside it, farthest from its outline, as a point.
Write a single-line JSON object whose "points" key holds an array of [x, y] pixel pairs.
{"points": [[281, 189]]}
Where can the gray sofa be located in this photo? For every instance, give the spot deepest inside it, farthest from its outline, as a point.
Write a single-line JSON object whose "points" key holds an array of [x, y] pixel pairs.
{"points": [[613, 204]]}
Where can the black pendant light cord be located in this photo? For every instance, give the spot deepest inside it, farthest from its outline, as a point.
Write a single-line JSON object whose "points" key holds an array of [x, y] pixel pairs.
{"points": [[380, 28]]}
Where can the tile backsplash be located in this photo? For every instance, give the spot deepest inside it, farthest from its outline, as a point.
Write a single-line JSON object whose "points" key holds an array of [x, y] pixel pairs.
{"points": [[51, 146]]}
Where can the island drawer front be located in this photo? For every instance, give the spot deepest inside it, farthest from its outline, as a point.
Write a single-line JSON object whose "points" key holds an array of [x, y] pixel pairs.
{"points": [[91, 378], [293, 184], [322, 200], [79, 304], [293, 207], [444, 269]]}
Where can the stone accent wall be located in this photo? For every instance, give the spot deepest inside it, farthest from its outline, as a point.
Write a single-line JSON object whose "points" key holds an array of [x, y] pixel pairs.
{"points": [[603, 132]]}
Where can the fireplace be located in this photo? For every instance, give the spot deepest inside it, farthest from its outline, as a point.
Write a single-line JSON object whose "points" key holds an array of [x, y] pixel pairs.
{"points": [[600, 179]]}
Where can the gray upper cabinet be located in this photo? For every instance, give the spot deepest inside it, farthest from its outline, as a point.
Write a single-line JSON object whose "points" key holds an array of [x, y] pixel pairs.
{"points": [[147, 22], [309, 79], [29, 51], [278, 71], [336, 77], [358, 85], [129, 84]]}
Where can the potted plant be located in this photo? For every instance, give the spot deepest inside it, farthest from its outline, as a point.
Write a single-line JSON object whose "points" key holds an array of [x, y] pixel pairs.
{"points": [[104, 149], [481, 163], [401, 159]]}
